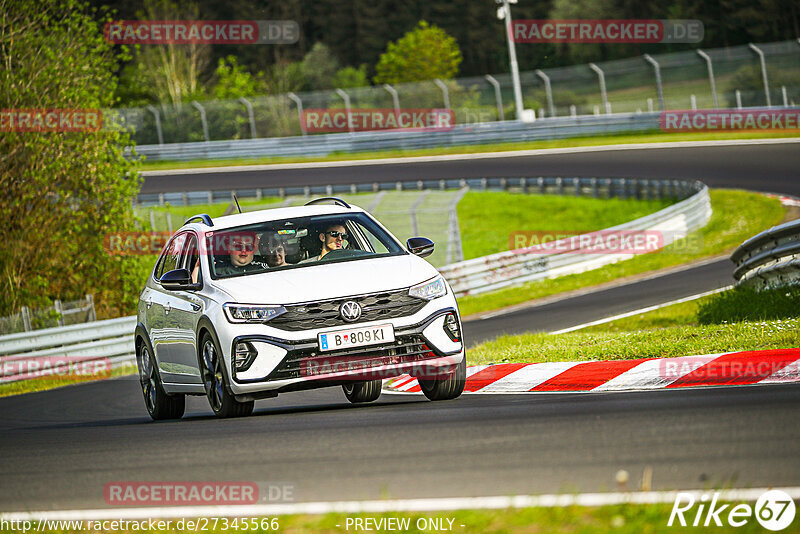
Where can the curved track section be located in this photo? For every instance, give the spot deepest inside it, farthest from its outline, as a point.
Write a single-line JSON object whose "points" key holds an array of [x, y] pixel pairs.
{"points": [[61, 447]]}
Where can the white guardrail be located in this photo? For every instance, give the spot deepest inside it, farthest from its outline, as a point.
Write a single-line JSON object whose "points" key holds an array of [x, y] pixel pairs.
{"points": [[52, 351], [112, 340], [771, 258], [503, 269]]}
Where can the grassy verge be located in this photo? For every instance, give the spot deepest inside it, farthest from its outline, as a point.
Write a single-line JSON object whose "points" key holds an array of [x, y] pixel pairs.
{"points": [[622, 519], [473, 149], [53, 381], [676, 330], [487, 219], [737, 216]]}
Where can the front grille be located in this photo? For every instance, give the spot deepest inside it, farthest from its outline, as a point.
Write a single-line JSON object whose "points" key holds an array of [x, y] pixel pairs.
{"points": [[311, 362], [374, 307]]}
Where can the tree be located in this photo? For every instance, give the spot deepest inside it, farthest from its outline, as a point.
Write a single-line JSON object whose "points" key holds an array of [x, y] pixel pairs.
{"points": [[319, 67], [62, 191], [233, 81], [351, 77], [425, 53]]}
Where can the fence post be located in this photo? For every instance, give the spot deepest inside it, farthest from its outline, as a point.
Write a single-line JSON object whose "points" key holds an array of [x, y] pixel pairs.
{"points": [[169, 222], [659, 87], [250, 116], [60, 311], [346, 99], [454, 249], [299, 103], [738, 99], [603, 94], [693, 101], [157, 116], [152, 220], [785, 96], [445, 92], [413, 212], [548, 91], [203, 120], [498, 96], [763, 61], [26, 318], [90, 305], [710, 76], [395, 97]]}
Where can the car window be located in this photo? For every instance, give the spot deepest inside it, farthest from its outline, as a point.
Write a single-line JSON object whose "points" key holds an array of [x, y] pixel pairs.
{"points": [[298, 243], [171, 257]]}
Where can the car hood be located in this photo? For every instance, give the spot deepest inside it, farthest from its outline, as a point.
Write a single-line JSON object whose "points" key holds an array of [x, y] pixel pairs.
{"points": [[328, 280]]}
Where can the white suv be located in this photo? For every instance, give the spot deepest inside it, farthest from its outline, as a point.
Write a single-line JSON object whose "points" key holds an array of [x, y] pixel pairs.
{"points": [[247, 306]]}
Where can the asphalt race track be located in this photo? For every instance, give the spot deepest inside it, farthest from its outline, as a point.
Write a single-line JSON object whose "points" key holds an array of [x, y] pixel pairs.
{"points": [[60, 448]]}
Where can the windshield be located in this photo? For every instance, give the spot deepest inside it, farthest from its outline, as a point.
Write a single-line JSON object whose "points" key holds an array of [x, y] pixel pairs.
{"points": [[297, 243]]}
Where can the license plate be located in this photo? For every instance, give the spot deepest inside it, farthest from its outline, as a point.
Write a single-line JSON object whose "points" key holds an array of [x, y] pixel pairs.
{"points": [[356, 337]]}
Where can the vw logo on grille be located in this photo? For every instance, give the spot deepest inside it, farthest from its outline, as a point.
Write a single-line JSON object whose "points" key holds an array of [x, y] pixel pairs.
{"points": [[350, 311]]}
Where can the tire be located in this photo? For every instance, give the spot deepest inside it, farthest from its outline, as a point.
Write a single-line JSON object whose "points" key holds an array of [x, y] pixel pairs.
{"points": [[159, 404], [447, 388], [220, 399], [358, 392]]}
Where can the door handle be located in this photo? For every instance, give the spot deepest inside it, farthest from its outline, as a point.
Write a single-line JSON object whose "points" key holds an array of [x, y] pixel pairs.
{"points": [[167, 307]]}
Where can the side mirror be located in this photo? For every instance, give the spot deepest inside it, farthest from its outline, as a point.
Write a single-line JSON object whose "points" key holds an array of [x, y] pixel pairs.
{"points": [[177, 279], [420, 246]]}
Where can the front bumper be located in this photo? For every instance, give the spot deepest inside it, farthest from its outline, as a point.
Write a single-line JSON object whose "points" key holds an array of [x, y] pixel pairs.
{"points": [[421, 349]]}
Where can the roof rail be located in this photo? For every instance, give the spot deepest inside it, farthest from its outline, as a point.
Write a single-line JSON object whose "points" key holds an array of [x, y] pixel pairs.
{"points": [[335, 200], [203, 217]]}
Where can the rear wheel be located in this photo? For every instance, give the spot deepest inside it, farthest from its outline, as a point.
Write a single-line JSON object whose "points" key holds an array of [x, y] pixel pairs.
{"points": [[221, 400], [357, 392], [446, 388], [159, 404]]}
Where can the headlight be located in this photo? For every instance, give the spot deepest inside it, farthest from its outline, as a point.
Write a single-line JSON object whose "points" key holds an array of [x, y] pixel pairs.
{"points": [[429, 290], [251, 313]]}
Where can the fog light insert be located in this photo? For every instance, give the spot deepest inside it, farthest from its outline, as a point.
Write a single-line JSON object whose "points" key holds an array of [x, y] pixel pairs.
{"points": [[451, 327], [244, 355]]}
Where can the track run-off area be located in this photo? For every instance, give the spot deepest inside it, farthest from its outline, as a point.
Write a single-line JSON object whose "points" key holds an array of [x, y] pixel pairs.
{"points": [[60, 448]]}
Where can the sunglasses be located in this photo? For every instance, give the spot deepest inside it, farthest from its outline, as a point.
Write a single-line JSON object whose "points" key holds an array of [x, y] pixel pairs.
{"points": [[334, 234]]}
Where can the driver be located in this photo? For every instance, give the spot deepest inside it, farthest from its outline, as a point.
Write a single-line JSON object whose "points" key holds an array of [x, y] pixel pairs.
{"points": [[333, 238], [241, 253]]}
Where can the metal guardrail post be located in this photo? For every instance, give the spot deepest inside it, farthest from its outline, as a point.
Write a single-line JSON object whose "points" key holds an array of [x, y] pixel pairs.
{"points": [[498, 96], [785, 96], [763, 61], [26, 318], [157, 116], [299, 103], [250, 116], [659, 87], [90, 305], [346, 99], [203, 120], [395, 97], [60, 311], [603, 94], [710, 67], [548, 91], [445, 93]]}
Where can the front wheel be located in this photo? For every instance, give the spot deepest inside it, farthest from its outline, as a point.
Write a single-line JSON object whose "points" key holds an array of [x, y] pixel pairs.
{"points": [[446, 388], [159, 404], [222, 402], [357, 392]]}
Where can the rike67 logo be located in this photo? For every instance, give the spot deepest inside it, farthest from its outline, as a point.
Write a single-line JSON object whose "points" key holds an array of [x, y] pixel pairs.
{"points": [[774, 510]]}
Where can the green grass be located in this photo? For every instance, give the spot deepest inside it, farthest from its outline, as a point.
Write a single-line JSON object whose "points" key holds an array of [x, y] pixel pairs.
{"points": [[745, 303], [181, 213], [50, 382], [737, 215], [654, 137], [488, 219], [610, 344], [620, 519]]}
